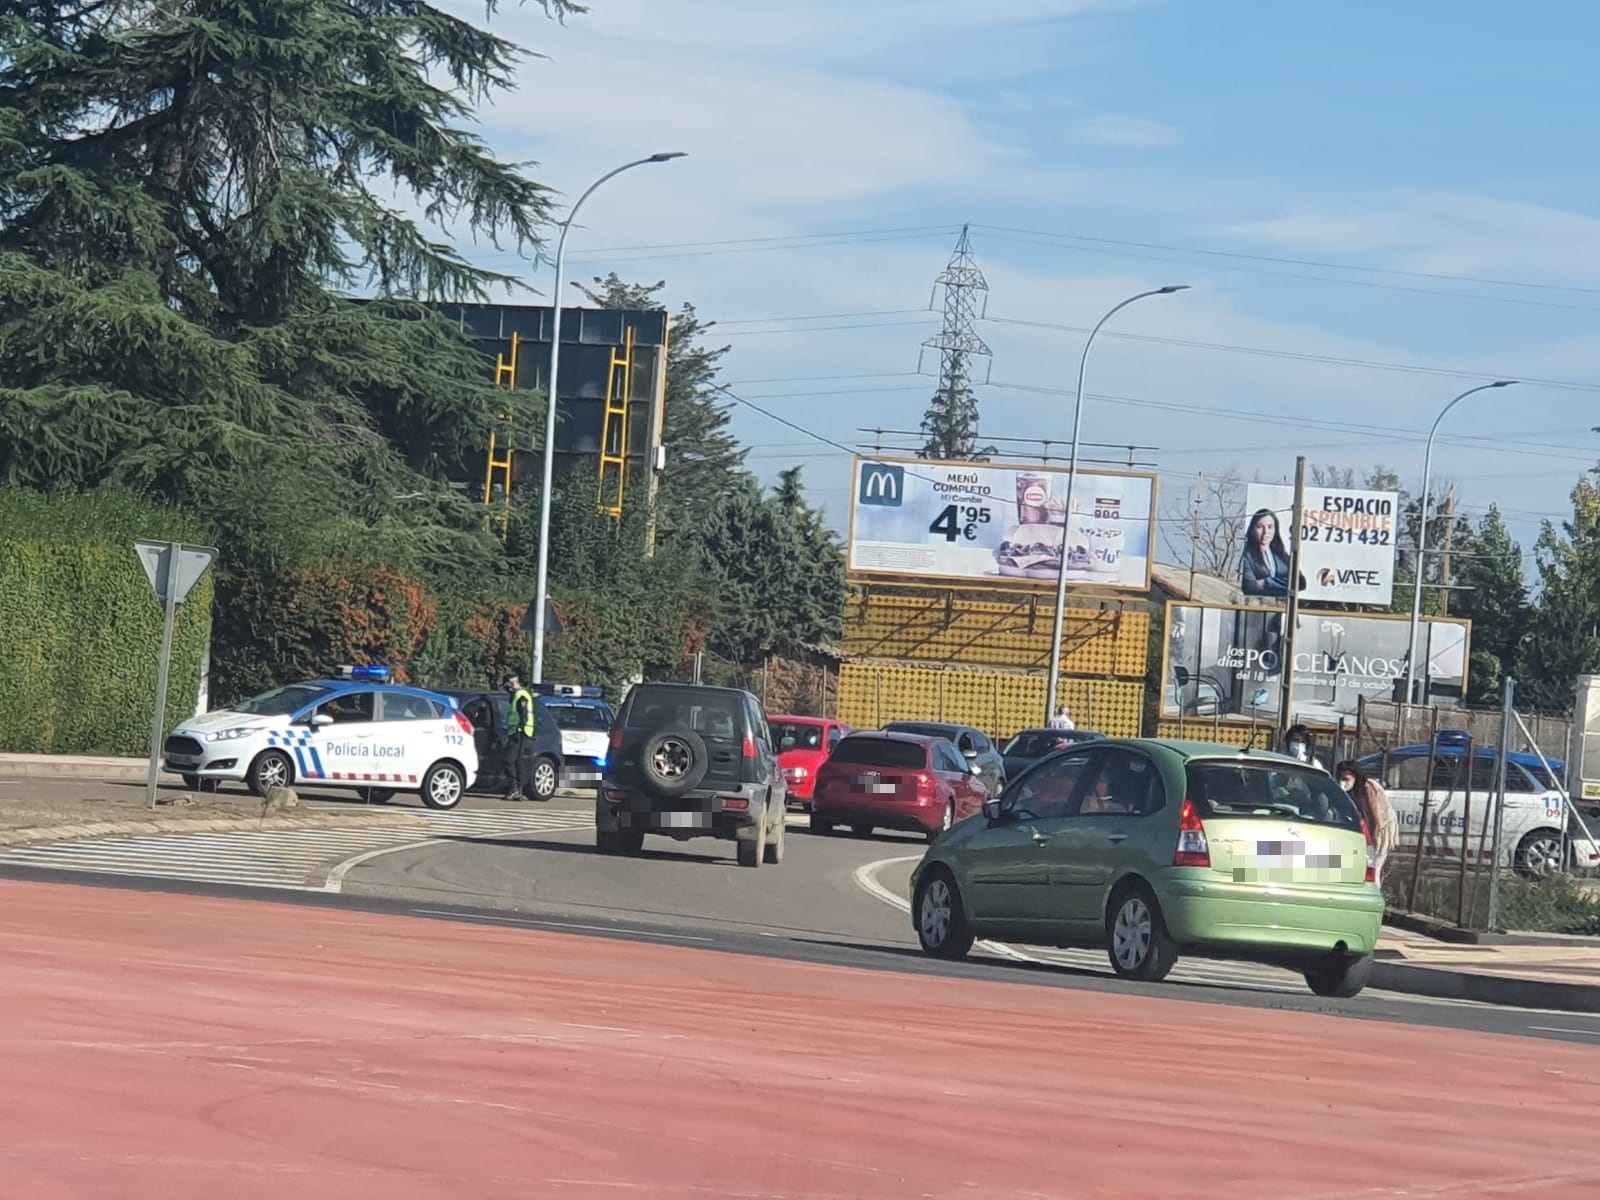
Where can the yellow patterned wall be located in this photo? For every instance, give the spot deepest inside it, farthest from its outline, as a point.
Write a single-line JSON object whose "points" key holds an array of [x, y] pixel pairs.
{"points": [[996, 633], [999, 703]]}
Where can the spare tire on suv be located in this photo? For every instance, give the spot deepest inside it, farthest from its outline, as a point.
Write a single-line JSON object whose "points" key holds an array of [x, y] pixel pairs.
{"points": [[672, 762]]}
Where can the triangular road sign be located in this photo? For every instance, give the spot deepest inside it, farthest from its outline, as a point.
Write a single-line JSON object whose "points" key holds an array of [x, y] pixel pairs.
{"points": [[193, 563]]}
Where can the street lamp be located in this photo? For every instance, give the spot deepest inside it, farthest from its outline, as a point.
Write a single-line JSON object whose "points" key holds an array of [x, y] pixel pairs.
{"points": [[1072, 479], [541, 599], [1422, 539]]}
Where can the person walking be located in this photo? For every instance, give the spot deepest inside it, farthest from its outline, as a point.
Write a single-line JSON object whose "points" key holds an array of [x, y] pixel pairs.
{"points": [[1062, 719], [1372, 802], [519, 745]]}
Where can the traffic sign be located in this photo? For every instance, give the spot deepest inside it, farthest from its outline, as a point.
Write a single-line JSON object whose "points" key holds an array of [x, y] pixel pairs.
{"points": [[193, 563], [173, 569]]}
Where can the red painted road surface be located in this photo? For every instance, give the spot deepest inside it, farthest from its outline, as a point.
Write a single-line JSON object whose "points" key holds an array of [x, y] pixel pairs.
{"points": [[180, 1047]]}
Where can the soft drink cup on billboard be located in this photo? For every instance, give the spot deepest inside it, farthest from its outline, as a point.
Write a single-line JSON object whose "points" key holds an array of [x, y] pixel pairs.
{"points": [[1033, 493], [1105, 534]]}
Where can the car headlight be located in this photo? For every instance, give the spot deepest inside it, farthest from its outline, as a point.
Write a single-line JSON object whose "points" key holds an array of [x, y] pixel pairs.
{"points": [[228, 735]]}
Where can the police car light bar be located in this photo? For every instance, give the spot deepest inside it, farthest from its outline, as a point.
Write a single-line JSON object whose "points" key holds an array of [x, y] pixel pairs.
{"points": [[568, 689], [350, 672]]}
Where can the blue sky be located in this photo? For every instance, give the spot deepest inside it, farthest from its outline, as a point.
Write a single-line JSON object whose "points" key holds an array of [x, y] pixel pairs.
{"points": [[1377, 205]]}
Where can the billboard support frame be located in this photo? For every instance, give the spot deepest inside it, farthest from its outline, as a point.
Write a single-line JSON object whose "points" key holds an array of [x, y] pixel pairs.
{"points": [[1286, 690]]}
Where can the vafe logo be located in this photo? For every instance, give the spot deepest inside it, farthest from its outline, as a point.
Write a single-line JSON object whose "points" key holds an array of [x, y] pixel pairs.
{"points": [[1330, 578], [882, 484]]}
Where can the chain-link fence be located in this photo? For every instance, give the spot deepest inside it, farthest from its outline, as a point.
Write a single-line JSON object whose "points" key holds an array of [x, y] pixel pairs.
{"points": [[1485, 840]]}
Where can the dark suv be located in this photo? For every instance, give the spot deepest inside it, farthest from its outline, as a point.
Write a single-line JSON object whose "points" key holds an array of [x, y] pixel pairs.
{"points": [[974, 745], [688, 761]]}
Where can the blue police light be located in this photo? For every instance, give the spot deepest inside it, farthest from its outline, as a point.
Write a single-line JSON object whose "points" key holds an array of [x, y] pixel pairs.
{"points": [[350, 672]]}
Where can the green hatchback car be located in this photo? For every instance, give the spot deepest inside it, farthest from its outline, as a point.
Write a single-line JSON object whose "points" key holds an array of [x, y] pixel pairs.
{"points": [[1152, 848]]}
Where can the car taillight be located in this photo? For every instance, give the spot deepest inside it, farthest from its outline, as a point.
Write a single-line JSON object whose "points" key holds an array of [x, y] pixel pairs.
{"points": [[1372, 852], [924, 783], [749, 746], [1193, 850], [461, 720], [616, 739]]}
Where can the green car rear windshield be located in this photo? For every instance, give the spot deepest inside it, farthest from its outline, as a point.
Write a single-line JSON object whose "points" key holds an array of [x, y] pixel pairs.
{"points": [[1240, 790]]}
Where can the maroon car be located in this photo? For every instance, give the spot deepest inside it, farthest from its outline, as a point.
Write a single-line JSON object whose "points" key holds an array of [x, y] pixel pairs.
{"points": [[895, 781]]}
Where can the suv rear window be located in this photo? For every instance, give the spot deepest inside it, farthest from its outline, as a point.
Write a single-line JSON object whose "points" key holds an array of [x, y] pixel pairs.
{"points": [[708, 713], [1272, 791], [579, 718], [880, 752]]}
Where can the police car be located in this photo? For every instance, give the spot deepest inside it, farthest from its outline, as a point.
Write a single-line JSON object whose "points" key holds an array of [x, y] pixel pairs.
{"points": [[357, 730], [585, 720]]}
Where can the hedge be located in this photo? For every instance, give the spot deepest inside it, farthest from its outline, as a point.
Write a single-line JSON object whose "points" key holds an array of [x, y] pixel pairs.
{"points": [[80, 626]]}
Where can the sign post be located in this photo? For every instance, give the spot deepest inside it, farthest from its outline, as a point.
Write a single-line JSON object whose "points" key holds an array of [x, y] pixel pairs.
{"points": [[173, 569], [1291, 614]]}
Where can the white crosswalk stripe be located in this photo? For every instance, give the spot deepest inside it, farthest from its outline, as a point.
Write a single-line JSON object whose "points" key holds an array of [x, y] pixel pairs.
{"points": [[296, 859]]}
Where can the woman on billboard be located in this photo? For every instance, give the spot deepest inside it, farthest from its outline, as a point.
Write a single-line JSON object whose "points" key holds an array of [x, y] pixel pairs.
{"points": [[1264, 566]]}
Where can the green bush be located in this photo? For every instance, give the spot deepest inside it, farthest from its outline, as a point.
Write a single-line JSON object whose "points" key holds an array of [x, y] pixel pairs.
{"points": [[80, 626]]}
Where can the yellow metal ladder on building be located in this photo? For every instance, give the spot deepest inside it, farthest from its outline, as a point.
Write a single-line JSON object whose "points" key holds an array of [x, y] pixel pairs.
{"points": [[505, 375], [614, 429]]}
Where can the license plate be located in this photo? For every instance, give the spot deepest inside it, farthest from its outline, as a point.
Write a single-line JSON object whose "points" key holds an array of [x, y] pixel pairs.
{"points": [[680, 820], [1315, 855]]}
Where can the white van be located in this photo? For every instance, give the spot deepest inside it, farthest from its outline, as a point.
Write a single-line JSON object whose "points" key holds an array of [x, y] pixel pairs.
{"points": [[1535, 817]]}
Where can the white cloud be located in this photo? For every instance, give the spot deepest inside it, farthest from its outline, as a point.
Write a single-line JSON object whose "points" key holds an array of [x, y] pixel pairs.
{"points": [[1126, 133]]}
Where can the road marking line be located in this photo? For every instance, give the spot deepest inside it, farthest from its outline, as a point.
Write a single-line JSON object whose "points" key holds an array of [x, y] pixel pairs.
{"points": [[1560, 1029]]}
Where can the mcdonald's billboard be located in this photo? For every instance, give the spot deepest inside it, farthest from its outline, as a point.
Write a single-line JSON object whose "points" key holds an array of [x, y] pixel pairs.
{"points": [[966, 522]]}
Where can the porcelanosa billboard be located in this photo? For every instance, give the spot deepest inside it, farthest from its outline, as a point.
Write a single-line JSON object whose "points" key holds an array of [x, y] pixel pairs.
{"points": [[983, 522], [1227, 662]]}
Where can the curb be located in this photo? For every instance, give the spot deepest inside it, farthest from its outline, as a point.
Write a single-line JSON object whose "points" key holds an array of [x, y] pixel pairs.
{"points": [[197, 824], [1441, 983], [60, 766]]}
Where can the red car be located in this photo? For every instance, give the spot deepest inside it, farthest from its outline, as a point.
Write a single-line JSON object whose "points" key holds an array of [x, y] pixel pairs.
{"points": [[895, 781], [804, 744]]}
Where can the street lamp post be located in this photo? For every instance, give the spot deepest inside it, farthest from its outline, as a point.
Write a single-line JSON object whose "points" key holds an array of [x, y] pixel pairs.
{"points": [[1072, 479], [1422, 539], [541, 598]]}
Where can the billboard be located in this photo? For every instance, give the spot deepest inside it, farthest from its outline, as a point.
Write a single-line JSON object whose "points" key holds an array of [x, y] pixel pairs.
{"points": [[1227, 662], [969, 522], [1347, 544]]}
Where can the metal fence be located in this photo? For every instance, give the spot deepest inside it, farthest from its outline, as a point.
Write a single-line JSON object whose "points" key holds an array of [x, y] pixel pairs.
{"points": [[1456, 860]]}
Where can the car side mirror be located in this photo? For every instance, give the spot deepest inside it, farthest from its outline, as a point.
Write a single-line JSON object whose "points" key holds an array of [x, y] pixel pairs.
{"points": [[971, 753], [319, 720], [991, 810]]}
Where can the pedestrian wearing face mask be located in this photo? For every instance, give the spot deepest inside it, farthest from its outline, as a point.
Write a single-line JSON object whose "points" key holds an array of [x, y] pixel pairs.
{"points": [[1299, 743], [1383, 828]]}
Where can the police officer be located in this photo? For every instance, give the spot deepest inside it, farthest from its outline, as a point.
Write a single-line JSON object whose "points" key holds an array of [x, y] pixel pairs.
{"points": [[519, 746]]}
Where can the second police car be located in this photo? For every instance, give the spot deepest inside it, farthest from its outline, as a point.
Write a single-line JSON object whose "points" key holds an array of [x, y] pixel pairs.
{"points": [[585, 720], [357, 731]]}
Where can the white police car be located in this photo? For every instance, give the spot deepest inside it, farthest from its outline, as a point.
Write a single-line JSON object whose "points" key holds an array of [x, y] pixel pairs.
{"points": [[357, 731], [585, 720]]}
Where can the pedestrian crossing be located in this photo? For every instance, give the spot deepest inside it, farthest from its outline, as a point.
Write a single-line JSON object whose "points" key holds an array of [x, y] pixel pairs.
{"points": [[293, 859]]}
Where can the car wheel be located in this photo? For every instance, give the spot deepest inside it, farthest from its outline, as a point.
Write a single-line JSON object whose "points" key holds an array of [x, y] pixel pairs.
{"points": [[774, 854], [607, 842], [1137, 939], [946, 819], [821, 827], [545, 778], [1538, 854], [630, 841], [377, 795], [1342, 976], [673, 762], [751, 850], [942, 926], [271, 769], [443, 786]]}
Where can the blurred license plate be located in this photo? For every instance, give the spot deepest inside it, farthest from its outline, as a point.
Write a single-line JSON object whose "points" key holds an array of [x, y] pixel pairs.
{"points": [[873, 785], [681, 820], [1295, 854]]}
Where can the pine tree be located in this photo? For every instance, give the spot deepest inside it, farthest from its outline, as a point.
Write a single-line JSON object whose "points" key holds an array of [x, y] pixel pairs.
{"points": [[190, 193], [1563, 638], [950, 426], [1496, 604]]}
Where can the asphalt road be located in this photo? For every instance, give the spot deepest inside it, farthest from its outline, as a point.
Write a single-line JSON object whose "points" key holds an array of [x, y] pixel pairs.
{"points": [[815, 907]]}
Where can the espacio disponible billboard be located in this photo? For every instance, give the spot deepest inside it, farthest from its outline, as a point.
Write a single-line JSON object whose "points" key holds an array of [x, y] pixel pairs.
{"points": [[1347, 543], [1227, 662], [986, 522]]}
